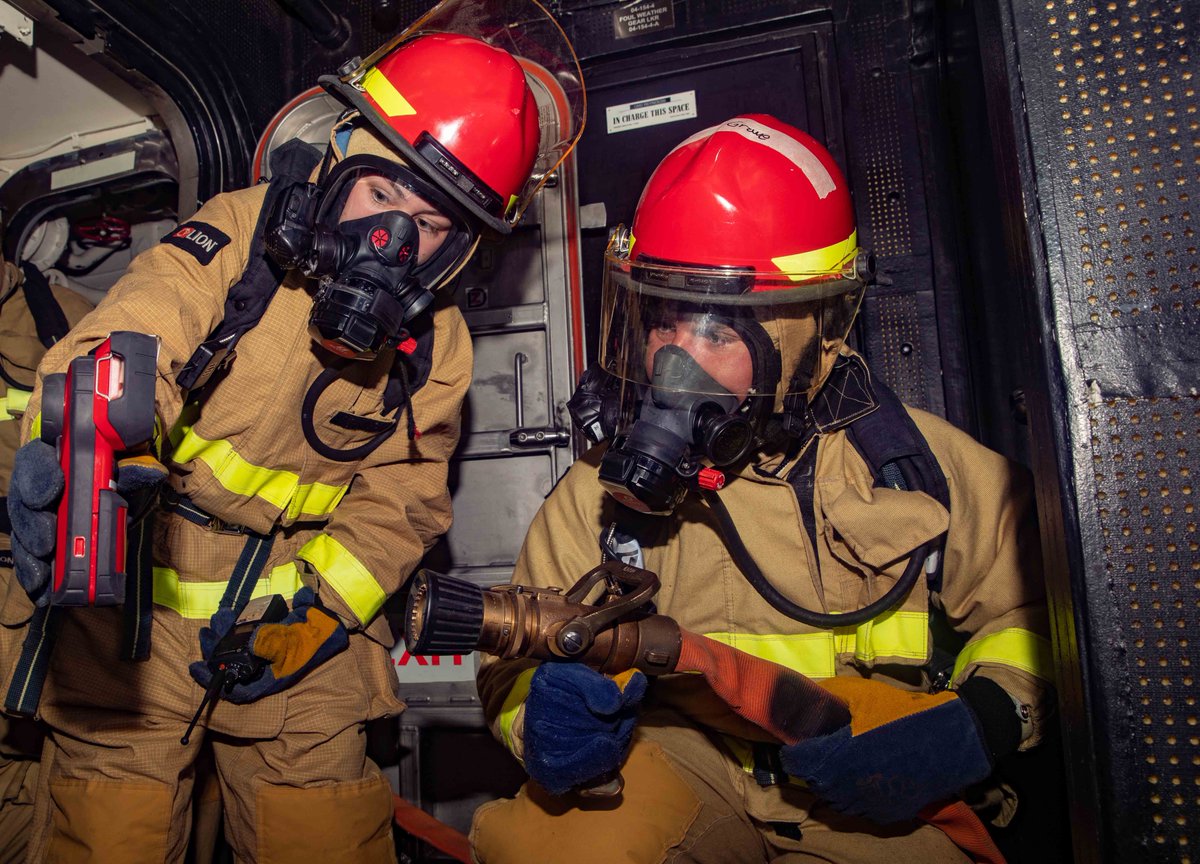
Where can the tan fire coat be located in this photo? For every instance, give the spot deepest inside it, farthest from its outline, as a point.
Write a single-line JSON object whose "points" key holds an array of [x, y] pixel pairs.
{"points": [[22, 350], [992, 592], [355, 529]]}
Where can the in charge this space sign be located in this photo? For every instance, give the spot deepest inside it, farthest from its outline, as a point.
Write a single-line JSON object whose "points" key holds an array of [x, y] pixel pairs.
{"points": [[651, 112]]}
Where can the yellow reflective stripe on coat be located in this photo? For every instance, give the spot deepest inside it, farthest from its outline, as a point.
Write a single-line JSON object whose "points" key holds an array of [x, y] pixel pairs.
{"points": [[13, 403], [512, 704], [892, 634], [809, 654], [350, 579], [895, 633], [282, 489], [1021, 649], [201, 599]]}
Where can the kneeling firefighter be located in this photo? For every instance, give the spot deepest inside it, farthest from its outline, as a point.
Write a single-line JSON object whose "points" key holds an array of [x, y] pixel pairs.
{"points": [[792, 508], [309, 382]]}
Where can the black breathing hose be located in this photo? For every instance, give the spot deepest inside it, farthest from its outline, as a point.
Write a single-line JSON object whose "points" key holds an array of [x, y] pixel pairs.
{"points": [[745, 562]]}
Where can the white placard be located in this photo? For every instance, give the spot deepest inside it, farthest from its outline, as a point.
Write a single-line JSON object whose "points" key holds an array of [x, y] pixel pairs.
{"points": [[94, 170], [651, 112], [411, 669]]}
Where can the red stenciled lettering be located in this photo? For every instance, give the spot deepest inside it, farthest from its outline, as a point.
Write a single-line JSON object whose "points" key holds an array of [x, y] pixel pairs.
{"points": [[405, 657], [427, 660]]}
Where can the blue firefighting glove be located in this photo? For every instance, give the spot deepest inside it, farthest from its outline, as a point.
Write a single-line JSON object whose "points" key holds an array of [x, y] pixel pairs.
{"points": [[303, 640], [903, 751], [33, 495], [578, 723]]}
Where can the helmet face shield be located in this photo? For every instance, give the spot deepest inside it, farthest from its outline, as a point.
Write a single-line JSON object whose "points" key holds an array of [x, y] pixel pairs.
{"points": [[756, 336], [730, 305]]}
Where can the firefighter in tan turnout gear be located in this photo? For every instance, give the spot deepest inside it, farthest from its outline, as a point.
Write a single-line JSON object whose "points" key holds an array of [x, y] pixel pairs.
{"points": [[34, 314], [792, 509], [311, 463]]}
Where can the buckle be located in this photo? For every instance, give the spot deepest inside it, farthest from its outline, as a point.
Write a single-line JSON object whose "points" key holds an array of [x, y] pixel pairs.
{"points": [[220, 526], [181, 505]]}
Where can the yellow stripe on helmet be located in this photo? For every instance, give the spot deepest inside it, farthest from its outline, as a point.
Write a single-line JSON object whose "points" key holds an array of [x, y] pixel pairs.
{"points": [[386, 96], [806, 265]]}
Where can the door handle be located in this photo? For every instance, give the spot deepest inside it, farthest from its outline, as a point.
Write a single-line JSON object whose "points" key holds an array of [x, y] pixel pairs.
{"points": [[531, 436]]}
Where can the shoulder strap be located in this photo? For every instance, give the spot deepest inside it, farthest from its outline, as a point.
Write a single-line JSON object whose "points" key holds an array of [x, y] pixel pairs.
{"points": [[898, 454], [292, 163], [48, 316]]}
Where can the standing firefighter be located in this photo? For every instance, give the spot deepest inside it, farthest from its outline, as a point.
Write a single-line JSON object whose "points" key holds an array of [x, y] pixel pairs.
{"points": [[312, 465], [34, 314], [793, 509]]}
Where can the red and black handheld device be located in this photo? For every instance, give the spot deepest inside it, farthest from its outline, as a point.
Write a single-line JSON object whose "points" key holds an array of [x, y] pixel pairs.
{"points": [[103, 405]]}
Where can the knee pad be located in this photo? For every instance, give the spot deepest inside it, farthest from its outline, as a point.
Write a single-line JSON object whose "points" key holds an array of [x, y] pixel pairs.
{"points": [[123, 822], [348, 821]]}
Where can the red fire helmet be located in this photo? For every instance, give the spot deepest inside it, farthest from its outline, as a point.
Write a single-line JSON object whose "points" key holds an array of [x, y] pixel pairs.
{"points": [[744, 233], [453, 95], [750, 192]]}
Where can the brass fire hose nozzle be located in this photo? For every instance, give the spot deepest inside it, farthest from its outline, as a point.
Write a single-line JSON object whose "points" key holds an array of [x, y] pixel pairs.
{"points": [[451, 616]]}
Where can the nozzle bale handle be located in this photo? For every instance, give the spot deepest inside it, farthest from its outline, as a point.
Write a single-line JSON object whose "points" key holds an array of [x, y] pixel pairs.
{"points": [[451, 616]]}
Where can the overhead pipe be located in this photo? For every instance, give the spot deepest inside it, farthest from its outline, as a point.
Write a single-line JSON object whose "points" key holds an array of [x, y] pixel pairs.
{"points": [[326, 26]]}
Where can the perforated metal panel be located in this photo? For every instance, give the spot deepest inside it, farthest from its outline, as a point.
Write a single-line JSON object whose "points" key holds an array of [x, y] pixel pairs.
{"points": [[886, 192], [902, 355], [1107, 122], [902, 339], [1144, 452], [1125, 118]]}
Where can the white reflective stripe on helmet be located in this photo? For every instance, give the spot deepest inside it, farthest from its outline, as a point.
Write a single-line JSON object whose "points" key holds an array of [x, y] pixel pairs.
{"points": [[783, 144]]}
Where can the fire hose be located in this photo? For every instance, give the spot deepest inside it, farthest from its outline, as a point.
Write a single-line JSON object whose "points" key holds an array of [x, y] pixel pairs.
{"points": [[451, 616]]}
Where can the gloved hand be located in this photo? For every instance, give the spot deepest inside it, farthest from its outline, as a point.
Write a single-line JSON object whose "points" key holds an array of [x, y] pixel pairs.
{"points": [[33, 495], [303, 640], [903, 751], [578, 723]]}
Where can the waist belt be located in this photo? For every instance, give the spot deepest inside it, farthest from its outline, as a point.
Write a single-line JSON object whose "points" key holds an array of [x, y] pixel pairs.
{"points": [[171, 501], [250, 563]]}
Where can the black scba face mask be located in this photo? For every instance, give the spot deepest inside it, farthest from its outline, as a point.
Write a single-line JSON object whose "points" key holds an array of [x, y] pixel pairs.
{"points": [[367, 291], [371, 284], [683, 417]]}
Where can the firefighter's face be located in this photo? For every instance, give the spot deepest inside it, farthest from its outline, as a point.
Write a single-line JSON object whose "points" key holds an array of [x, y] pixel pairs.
{"points": [[375, 193], [714, 345]]}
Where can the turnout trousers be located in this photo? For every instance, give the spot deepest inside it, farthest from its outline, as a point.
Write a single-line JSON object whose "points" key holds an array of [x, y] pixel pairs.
{"points": [[686, 799], [116, 784]]}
